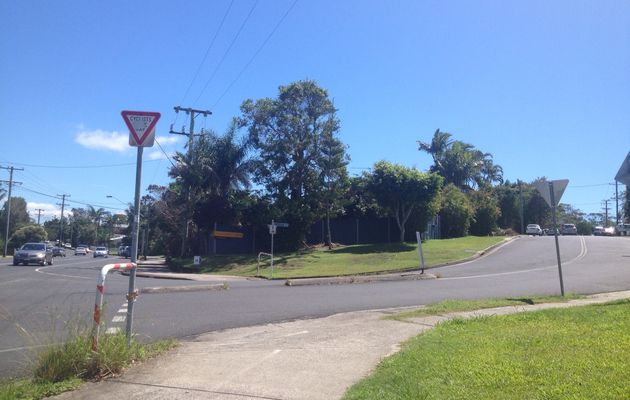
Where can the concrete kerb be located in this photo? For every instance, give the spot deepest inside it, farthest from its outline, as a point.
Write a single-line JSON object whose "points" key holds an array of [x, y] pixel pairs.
{"points": [[412, 274]]}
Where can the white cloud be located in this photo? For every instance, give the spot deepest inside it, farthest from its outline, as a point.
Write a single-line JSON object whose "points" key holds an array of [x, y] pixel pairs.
{"points": [[167, 140], [103, 140], [49, 211]]}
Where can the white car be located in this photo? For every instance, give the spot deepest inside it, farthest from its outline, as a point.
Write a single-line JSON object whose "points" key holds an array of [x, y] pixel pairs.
{"points": [[80, 251], [100, 252], [569, 229], [534, 229]]}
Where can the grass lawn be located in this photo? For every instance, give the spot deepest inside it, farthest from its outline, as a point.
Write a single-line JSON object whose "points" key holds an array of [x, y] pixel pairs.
{"points": [[577, 353], [350, 260], [450, 306]]}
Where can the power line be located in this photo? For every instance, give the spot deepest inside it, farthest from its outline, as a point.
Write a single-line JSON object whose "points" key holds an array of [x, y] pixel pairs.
{"points": [[81, 166], [167, 156], [83, 203], [223, 58], [205, 56], [255, 54]]}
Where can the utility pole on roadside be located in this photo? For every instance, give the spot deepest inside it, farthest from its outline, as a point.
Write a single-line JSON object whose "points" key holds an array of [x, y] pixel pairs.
{"points": [[606, 213], [63, 205], [616, 203], [10, 182], [39, 214], [191, 133], [520, 196]]}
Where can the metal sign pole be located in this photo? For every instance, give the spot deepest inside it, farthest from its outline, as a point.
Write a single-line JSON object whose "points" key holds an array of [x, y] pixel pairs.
{"points": [[553, 212], [132, 294], [420, 252], [273, 231]]}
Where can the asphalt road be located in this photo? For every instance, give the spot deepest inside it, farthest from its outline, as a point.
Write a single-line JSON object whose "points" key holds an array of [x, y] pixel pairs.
{"points": [[39, 304]]}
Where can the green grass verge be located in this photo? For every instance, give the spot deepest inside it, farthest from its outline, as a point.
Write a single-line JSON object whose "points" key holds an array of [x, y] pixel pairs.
{"points": [[62, 367], [577, 353], [449, 306], [348, 260]]}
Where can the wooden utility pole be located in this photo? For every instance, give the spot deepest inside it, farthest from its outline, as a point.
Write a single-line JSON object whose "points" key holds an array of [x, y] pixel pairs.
{"points": [[39, 214], [63, 205], [191, 133], [10, 182]]}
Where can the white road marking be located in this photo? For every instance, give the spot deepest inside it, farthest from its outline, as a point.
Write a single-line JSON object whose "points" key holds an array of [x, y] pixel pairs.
{"points": [[296, 333], [112, 331], [581, 255], [119, 318]]}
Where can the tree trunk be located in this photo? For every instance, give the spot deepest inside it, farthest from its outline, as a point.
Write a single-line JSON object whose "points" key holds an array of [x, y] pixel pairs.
{"points": [[402, 216], [328, 235]]}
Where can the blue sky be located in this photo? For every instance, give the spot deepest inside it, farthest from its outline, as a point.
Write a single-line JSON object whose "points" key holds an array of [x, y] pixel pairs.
{"points": [[542, 85]]}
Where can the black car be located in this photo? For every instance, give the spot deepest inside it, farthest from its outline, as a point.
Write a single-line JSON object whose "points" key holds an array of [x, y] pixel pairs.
{"points": [[124, 251], [58, 252]]}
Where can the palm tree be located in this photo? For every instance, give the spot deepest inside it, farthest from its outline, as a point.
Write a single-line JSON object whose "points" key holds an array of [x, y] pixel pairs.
{"points": [[218, 167], [461, 163], [96, 216]]}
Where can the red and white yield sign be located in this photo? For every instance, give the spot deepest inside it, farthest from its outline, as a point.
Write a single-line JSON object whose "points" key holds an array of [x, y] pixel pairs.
{"points": [[141, 126]]}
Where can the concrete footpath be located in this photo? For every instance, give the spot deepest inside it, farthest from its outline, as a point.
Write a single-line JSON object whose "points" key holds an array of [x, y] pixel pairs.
{"points": [[304, 359]]}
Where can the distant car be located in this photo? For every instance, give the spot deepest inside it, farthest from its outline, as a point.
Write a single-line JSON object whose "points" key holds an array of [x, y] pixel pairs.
{"points": [[86, 247], [609, 231], [37, 253], [623, 229], [124, 251], [100, 252], [534, 229], [569, 229], [598, 231], [80, 251], [552, 231], [58, 252]]}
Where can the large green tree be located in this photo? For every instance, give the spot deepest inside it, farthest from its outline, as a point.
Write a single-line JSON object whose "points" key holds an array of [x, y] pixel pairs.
{"points": [[19, 215], [290, 134], [27, 233], [401, 190], [456, 213]]}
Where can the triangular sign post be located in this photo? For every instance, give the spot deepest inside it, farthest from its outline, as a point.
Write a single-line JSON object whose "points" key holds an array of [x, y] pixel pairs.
{"points": [[552, 191], [141, 126], [558, 190], [623, 175]]}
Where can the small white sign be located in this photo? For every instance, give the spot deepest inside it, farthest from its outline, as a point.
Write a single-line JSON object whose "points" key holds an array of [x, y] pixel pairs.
{"points": [[197, 260]]}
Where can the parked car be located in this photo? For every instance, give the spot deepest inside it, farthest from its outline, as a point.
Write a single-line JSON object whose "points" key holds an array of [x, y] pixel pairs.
{"points": [[623, 229], [100, 252], [552, 231], [598, 231], [58, 252], [569, 229], [37, 253], [534, 229], [86, 247], [80, 251], [609, 231]]}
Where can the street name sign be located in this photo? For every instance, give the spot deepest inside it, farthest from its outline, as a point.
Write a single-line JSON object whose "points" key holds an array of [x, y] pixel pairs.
{"points": [[558, 190], [623, 175], [141, 126]]}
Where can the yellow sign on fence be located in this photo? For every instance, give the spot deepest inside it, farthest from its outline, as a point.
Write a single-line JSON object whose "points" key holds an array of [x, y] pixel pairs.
{"points": [[227, 234]]}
